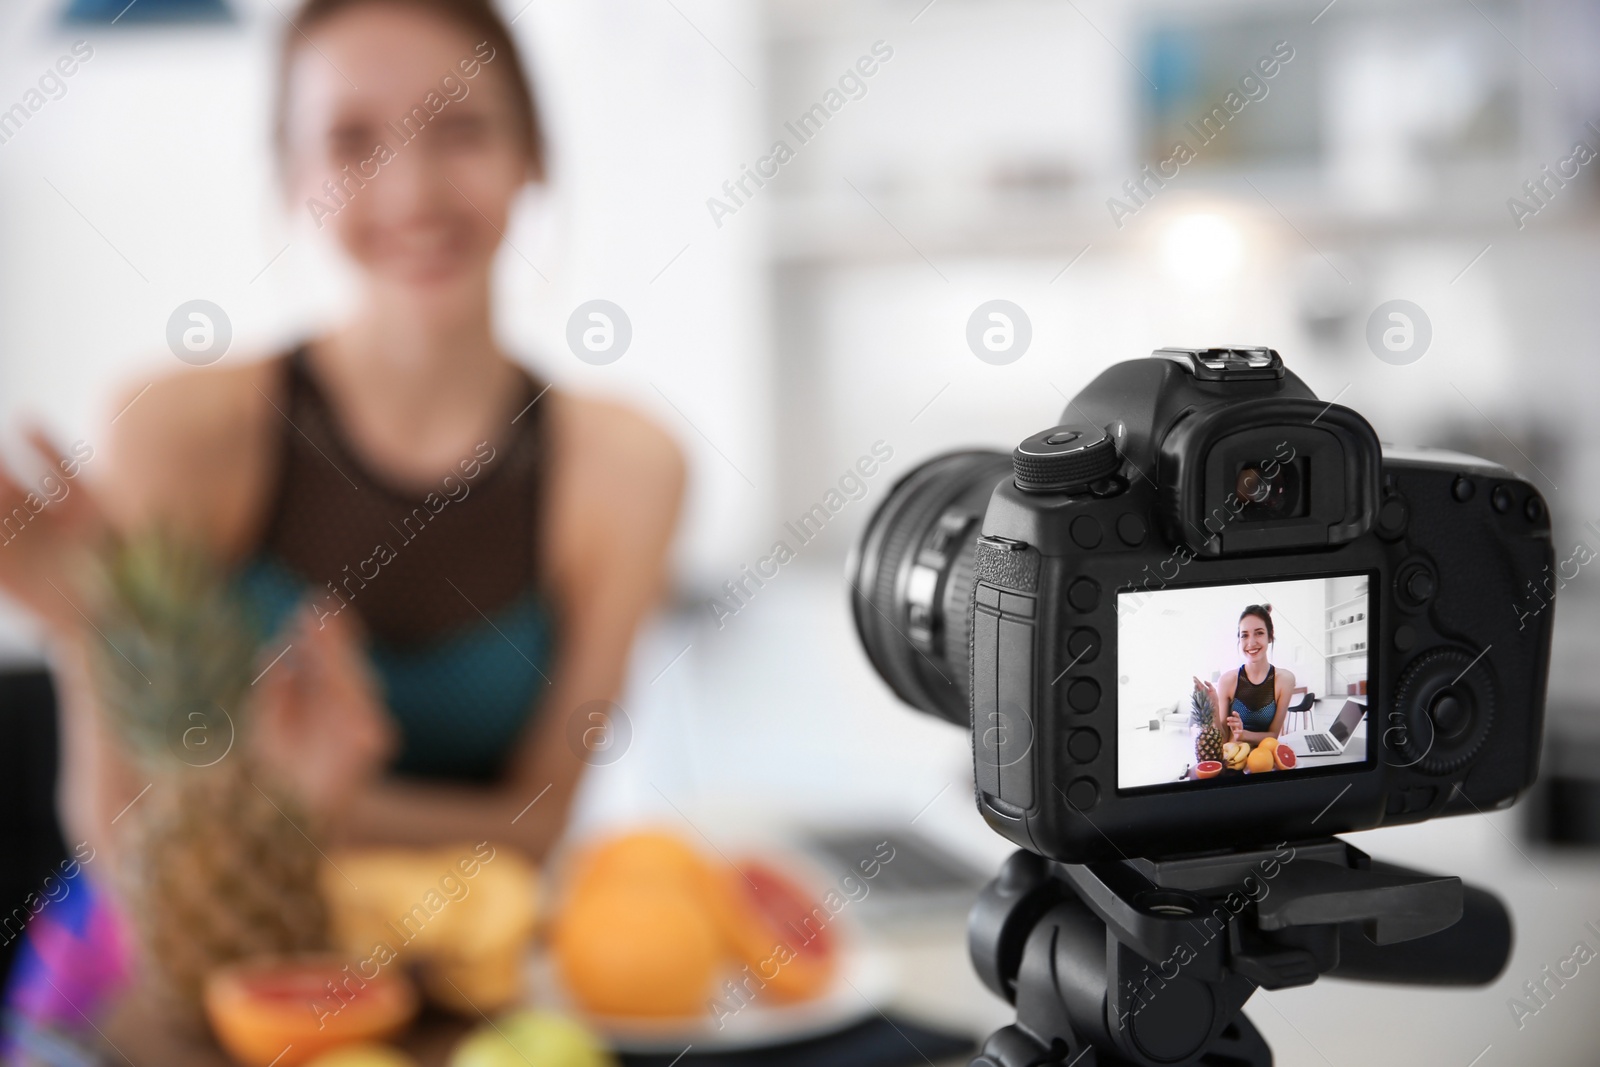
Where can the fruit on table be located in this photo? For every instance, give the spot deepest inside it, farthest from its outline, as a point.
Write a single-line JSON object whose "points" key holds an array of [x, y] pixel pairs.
{"points": [[461, 917], [1284, 757], [1260, 759], [1208, 768], [217, 868], [629, 949], [532, 1037], [1234, 754], [756, 908], [1208, 742], [648, 928], [642, 857], [1269, 742], [363, 1055], [281, 1010]]}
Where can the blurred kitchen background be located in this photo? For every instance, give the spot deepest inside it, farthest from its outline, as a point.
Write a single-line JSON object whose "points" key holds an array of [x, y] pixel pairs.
{"points": [[784, 331]]}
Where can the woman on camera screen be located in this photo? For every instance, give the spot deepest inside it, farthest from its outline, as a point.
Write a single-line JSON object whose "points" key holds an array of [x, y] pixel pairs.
{"points": [[1257, 695]]}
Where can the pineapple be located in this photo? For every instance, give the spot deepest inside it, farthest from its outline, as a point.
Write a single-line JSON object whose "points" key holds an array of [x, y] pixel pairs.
{"points": [[216, 864], [1208, 743]]}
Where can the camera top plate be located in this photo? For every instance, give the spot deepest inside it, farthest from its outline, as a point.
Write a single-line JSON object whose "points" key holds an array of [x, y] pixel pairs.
{"points": [[1235, 363]]}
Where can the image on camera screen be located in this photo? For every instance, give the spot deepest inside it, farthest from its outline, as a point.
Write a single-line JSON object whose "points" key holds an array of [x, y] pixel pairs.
{"points": [[1221, 682]]}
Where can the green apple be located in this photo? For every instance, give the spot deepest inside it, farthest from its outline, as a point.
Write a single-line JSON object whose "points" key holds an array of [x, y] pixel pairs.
{"points": [[537, 1037], [363, 1055]]}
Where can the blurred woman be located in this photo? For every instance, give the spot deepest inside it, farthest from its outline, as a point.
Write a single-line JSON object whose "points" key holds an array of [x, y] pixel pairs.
{"points": [[461, 553]]}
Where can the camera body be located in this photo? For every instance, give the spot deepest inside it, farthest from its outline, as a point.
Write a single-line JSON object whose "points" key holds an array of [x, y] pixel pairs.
{"points": [[1054, 601]]}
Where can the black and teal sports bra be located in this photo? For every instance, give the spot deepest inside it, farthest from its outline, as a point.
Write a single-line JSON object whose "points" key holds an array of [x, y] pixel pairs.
{"points": [[444, 578], [1256, 705]]}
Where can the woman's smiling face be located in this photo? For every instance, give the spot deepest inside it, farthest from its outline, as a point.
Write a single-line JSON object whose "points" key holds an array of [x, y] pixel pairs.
{"points": [[424, 216], [1253, 639]]}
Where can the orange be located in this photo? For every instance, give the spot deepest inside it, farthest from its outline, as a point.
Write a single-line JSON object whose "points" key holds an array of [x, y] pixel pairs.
{"points": [[642, 858], [1260, 758], [1269, 742], [637, 950]]}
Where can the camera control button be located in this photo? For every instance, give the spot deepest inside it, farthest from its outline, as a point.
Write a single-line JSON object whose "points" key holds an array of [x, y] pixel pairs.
{"points": [[1415, 584], [1415, 799], [1132, 530], [1083, 645], [1405, 638], [1501, 499], [1064, 459], [1083, 695], [1083, 794], [1086, 532], [1419, 585], [1084, 595], [1464, 489], [1449, 714], [1083, 746], [1392, 517]]}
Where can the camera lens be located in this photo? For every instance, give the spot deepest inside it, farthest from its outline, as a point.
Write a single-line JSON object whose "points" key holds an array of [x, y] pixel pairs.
{"points": [[1272, 491], [911, 580]]}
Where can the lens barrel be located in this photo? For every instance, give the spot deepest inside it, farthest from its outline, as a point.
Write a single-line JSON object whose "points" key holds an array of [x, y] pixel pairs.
{"points": [[911, 580]]}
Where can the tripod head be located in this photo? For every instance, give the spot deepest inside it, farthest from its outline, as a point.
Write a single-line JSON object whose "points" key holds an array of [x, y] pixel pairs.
{"points": [[1149, 962]]}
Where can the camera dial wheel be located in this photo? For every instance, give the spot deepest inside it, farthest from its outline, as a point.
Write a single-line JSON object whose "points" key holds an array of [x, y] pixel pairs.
{"points": [[1065, 459], [1444, 706]]}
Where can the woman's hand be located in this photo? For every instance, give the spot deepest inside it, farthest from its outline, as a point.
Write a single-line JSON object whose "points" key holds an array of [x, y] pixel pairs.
{"points": [[1235, 726], [322, 726], [40, 554]]}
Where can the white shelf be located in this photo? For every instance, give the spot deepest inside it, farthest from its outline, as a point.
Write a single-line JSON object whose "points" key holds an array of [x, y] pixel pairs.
{"points": [[1350, 652], [1346, 625], [1358, 598]]}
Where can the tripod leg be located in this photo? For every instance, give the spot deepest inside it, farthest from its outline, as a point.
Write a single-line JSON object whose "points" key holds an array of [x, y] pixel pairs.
{"points": [[1010, 1047], [1239, 1045]]}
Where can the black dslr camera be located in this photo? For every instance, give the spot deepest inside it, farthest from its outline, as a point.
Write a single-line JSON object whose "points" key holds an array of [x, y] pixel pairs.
{"points": [[1062, 600], [1204, 620]]}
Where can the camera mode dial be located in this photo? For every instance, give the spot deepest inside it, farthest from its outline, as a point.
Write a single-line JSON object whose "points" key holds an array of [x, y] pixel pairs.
{"points": [[1444, 706], [1064, 458]]}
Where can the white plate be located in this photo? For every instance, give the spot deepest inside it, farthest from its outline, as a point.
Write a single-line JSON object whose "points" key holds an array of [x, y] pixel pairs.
{"points": [[865, 979]]}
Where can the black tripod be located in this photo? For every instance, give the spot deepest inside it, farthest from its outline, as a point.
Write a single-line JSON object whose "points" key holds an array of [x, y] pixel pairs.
{"points": [[1148, 962]]}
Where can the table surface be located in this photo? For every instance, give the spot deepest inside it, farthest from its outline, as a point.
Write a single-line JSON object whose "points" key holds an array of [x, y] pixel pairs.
{"points": [[937, 987], [1157, 757]]}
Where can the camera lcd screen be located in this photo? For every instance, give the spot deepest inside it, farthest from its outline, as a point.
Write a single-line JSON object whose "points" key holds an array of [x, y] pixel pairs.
{"points": [[1224, 683]]}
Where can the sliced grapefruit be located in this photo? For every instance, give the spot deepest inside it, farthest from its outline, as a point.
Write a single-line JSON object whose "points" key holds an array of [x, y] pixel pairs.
{"points": [[1284, 757], [777, 929], [305, 1005]]}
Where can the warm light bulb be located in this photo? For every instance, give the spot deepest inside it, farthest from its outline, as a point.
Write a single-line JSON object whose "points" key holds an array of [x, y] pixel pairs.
{"points": [[1202, 250]]}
